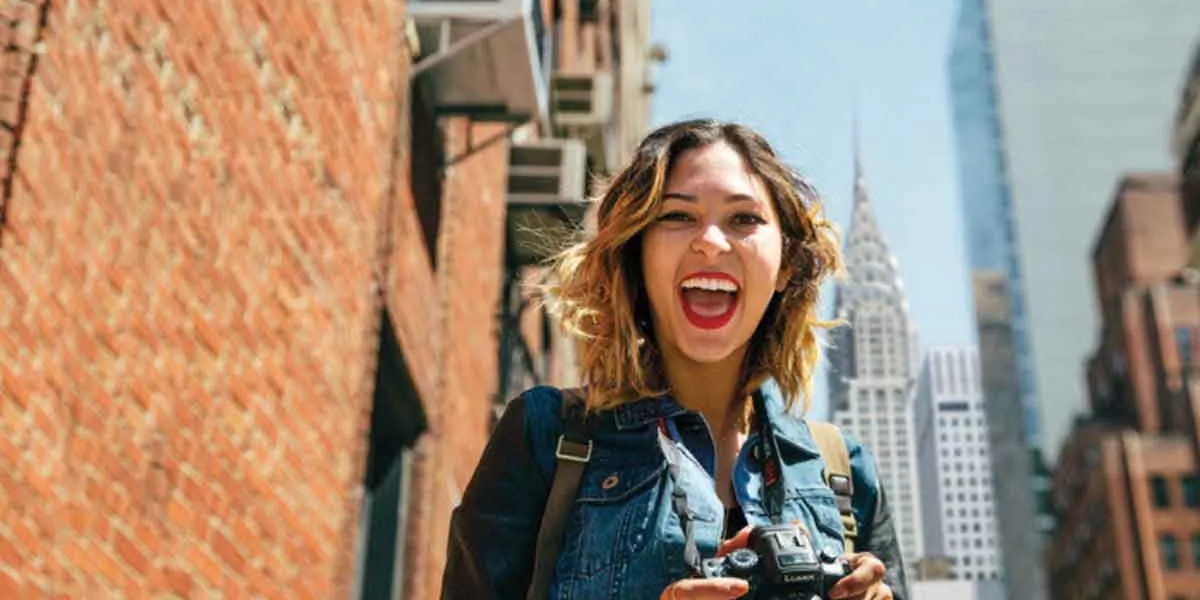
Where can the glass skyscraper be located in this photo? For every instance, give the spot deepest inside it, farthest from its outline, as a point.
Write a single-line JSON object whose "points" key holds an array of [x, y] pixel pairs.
{"points": [[1007, 365]]}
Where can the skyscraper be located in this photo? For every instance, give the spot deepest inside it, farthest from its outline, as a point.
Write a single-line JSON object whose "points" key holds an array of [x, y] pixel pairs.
{"points": [[871, 365], [1006, 358], [1088, 91], [954, 464]]}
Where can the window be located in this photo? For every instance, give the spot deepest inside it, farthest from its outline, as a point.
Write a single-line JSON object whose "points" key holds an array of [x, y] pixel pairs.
{"points": [[1168, 547], [1196, 550], [397, 420], [1183, 342], [1158, 489], [1191, 490]]}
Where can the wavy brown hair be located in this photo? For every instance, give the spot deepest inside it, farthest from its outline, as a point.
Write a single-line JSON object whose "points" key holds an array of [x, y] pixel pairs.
{"points": [[596, 290]]}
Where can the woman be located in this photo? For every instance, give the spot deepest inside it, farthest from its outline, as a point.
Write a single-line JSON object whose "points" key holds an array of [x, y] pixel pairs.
{"points": [[695, 302]]}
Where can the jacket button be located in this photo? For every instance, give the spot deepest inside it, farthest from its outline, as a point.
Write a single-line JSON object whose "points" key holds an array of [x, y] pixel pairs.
{"points": [[610, 482]]}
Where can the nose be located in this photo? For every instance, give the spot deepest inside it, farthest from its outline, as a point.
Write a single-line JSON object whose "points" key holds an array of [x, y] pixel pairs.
{"points": [[711, 241]]}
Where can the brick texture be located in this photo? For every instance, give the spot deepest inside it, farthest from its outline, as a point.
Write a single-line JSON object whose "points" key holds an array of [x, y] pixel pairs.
{"points": [[209, 202]]}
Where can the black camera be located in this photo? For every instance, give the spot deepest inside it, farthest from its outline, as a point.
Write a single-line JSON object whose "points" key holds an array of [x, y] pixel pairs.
{"points": [[780, 563]]}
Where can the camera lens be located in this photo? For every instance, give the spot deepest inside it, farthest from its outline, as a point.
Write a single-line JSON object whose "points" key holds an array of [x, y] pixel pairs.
{"points": [[741, 562]]}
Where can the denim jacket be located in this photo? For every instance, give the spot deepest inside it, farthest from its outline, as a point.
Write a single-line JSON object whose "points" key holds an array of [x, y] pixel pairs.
{"points": [[623, 539]]}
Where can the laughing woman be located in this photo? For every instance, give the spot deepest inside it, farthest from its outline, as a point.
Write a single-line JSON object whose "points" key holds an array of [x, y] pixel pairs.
{"points": [[695, 303]]}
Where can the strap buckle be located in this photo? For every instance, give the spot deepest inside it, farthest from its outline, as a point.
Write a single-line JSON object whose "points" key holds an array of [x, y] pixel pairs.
{"points": [[573, 451]]}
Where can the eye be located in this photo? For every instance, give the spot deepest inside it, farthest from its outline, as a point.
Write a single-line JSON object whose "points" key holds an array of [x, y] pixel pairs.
{"points": [[748, 219], [676, 216]]}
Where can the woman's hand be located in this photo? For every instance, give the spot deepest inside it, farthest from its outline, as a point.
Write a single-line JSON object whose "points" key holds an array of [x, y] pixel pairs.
{"points": [[712, 589], [865, 581], [723, 588]]}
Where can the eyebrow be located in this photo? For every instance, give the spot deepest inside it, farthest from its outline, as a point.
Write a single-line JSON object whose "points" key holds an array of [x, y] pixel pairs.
{"points": [[692, 198]]}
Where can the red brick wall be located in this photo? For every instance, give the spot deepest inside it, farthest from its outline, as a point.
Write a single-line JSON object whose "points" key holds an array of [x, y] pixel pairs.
{"points": [[469, 277], [209, 198], [187, 296]]}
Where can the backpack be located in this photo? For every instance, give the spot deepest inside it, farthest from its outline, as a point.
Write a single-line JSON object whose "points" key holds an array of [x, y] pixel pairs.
{"points": [[574, 451]]}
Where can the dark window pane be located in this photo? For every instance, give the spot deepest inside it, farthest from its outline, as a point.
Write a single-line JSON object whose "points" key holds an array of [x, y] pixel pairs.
{"points": [[1169, 548], [1158, 489], [1183, 342], [1191, 490]]}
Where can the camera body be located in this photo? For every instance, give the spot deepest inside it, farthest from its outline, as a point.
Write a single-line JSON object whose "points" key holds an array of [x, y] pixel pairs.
{"points": [[780, 563]]}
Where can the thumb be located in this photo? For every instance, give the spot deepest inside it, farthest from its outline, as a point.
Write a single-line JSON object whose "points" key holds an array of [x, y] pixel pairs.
{"points": [[739, 540]]}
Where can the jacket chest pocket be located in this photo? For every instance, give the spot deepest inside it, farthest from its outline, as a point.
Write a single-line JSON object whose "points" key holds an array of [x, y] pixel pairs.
{"points": [[820, 507], [612, 517]]}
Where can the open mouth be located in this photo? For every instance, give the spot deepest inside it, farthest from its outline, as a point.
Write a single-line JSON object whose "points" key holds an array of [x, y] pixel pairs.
{"points": [[709, 299]]}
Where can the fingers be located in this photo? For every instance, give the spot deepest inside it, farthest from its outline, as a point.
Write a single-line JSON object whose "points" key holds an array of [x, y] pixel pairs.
{"points": [[867, 572], [881, 591], [742, 537], [721, 588], [739, 540]]}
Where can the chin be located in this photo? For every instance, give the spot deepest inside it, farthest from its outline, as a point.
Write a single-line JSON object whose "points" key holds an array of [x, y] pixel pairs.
{"points": [[707, 351]]}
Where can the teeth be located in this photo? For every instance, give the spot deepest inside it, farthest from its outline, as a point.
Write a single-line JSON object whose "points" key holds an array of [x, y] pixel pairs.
{"points": [[712, 285]]}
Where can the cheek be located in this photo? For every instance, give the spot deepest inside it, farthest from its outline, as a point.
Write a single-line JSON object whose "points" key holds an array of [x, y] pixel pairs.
{"points": [[764, 256], [657, 265]]}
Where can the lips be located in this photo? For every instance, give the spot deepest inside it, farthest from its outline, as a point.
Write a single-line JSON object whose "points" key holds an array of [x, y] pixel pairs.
{"points": [[709, 299]]}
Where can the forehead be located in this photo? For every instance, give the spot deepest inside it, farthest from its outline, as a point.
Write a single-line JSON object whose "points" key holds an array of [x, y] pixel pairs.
{"points": [[715, 167]]}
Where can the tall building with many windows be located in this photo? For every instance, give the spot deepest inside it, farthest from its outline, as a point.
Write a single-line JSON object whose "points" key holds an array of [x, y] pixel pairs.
{"points": [[871, 367], [954, 464], [1006, 357], [1126, 486]]}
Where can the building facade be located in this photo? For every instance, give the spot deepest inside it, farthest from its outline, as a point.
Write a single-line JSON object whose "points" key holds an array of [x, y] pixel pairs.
{"points": [[1126, 485], [1186, 147], [1090, 90], [871, 373], [958, 590], [252, 260], [954, 465]]}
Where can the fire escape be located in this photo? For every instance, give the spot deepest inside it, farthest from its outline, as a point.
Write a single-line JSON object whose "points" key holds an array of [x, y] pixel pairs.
{"points": [[461, 45]]}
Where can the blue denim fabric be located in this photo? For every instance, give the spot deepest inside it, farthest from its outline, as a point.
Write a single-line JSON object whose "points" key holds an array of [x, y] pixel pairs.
{"points": [[623, 540]]}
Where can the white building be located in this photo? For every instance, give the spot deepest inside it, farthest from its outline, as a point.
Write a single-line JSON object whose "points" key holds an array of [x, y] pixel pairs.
{"points": [[957, 590], [871, 366], [954, 466]]}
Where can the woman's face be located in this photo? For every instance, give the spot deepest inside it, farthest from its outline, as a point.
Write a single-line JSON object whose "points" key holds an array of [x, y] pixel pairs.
{"points": [[711, 260]]}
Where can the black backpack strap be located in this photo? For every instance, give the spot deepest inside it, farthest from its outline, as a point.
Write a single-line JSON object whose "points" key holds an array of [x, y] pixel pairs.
{"points": [[573, 453]]}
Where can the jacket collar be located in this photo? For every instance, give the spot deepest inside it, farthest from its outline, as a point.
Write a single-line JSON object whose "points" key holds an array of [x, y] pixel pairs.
{"points": [[788, 425], [639, 413]]}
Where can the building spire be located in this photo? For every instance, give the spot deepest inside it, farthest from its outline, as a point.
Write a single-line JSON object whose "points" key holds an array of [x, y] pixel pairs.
{"points": [[860, 184]]}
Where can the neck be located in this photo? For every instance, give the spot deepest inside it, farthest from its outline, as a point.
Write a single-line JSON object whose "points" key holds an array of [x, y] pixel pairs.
{"points": [[708, 388]]}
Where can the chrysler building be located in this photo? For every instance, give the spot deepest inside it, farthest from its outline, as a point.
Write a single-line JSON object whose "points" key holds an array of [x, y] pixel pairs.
{"points": [[872, 365]]}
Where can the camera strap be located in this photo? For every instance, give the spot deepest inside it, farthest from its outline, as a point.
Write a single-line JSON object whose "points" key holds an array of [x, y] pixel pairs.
{"points": [[772, 494], [670, 447], [772, 471]]}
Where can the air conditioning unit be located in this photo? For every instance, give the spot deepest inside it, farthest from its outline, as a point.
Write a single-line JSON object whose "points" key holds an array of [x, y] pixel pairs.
{"points": [[482, 57], [581, 100], [547, 171], [547, 186]]}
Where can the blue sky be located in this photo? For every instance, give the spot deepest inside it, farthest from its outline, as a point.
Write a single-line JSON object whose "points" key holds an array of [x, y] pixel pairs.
{"points": [[795, 70]]}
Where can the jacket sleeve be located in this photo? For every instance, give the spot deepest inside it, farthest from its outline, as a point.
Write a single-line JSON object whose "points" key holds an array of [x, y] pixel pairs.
{"points": [[493, 531], [877, 529]]}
